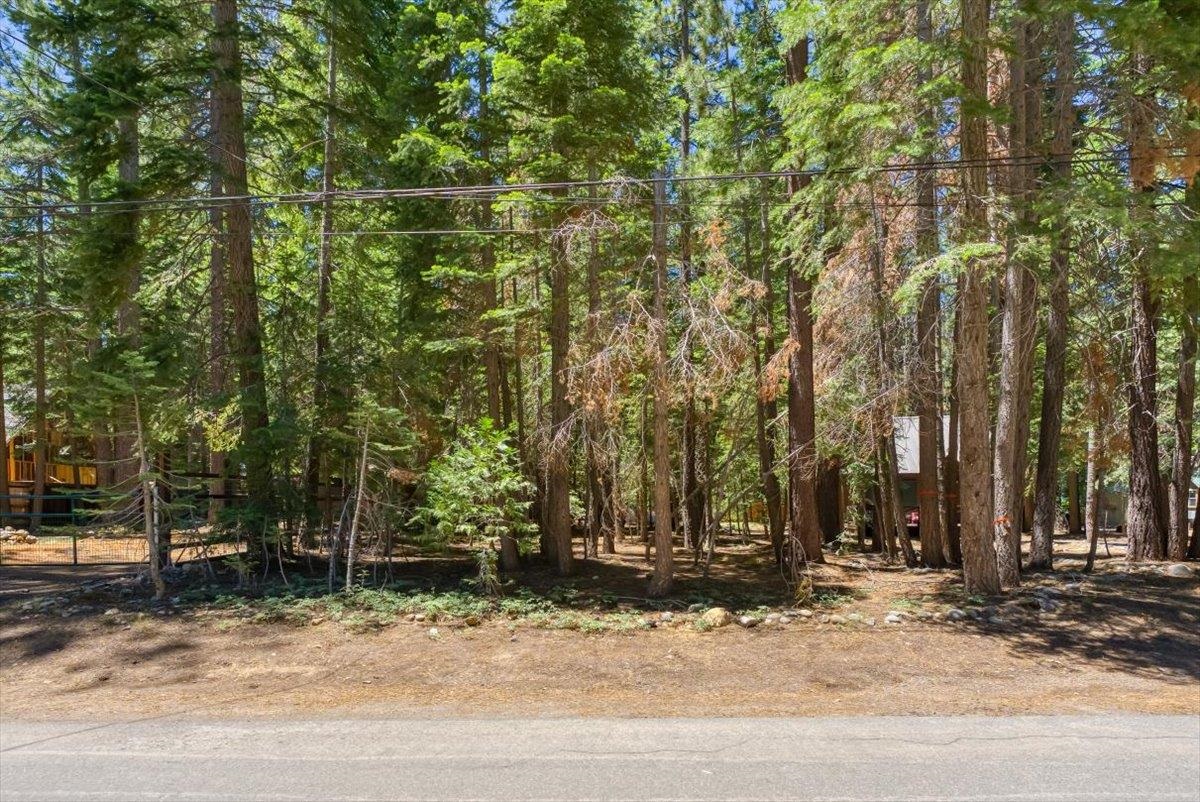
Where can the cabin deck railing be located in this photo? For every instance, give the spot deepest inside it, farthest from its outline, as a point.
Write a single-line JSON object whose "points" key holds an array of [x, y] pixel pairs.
{"points": [[22, 471]]}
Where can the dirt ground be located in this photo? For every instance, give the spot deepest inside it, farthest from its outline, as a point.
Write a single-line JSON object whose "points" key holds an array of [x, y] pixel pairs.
{"points": [[1116, 640]]}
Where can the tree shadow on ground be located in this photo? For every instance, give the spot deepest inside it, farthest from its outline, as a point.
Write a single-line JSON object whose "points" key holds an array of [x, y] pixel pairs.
{"points": [[1139, 622]]}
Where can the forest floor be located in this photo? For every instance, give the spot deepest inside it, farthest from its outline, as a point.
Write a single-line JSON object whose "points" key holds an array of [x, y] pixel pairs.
{"points": [[871, 638]]}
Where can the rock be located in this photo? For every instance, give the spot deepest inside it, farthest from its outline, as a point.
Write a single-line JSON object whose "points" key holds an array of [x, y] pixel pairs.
{"points": [[419, 617], [783, 619], [922, 570], [1179, 571], [824, 619], [804, 613], [433, 632], [748, 621], [924, 615], [716, 617], [893, 618], [1073, 587], [772, 618], [695, 608], [647, 623], [838, 619], [410, 617], [995, 620], [667, 617], [869, 621], [1048, 605], [112, 611], [955, 614], [855, 616]]}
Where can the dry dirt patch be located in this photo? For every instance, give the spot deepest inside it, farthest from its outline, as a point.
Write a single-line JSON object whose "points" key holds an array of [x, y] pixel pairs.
{"points": [[1116, 641]]}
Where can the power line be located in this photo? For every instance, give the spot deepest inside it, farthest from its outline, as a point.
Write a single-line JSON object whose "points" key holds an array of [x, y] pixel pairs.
{"points": [[493, 191]]}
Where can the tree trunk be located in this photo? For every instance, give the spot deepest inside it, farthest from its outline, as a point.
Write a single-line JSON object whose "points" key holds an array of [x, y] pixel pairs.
{"points": [[1012, 411], [255, 447], [355, 521], [129, 313], [664, 555], [321, 367], [805, 531], [1041, 550], [1185, 402], [690, 488], [41, 436], [218, 324], [5, 502], [767, 409], [934, 553], [558, 472], [978, 548], [1143, 519], [149, 507], [951, 513], [1095, 492], [1185, 387]]}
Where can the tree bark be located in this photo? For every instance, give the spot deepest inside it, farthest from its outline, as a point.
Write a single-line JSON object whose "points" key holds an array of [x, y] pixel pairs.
{"points": [[41, 436], [217, 322], [1185, 403], [1095, 492], [355, 521], [978, 547], [321, 367], [934, 553], [1041, 550], [149, 505], [664, 555], [1185, 387], [1017, 330], [767, 408], [558, 504], [805, 531], [255, 447], [129, 313], [5, 502]]}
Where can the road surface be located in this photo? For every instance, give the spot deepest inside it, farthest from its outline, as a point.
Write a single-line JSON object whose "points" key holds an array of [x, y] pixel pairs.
{"points": [[1115, 757]]}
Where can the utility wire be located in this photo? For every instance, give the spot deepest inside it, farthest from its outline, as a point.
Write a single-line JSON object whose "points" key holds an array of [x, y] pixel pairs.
{"points": [[483, 191]]}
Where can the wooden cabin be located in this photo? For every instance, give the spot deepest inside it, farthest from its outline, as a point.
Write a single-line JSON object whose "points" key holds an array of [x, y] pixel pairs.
{"points": [[69, 462]]}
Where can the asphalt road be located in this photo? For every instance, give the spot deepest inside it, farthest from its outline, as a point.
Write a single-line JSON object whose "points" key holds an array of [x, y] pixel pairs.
{"points": [[1116, 757]]}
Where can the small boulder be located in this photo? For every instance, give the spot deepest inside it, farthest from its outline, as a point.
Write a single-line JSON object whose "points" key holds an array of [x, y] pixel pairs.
{"points": [[855, 616], [804, 613], [838, 619], [955, 614], [748, 621], [784, 620], [667, 617], [1048, 605], [1179, 571], [894, 617], [716, 617], [433, 632]]}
